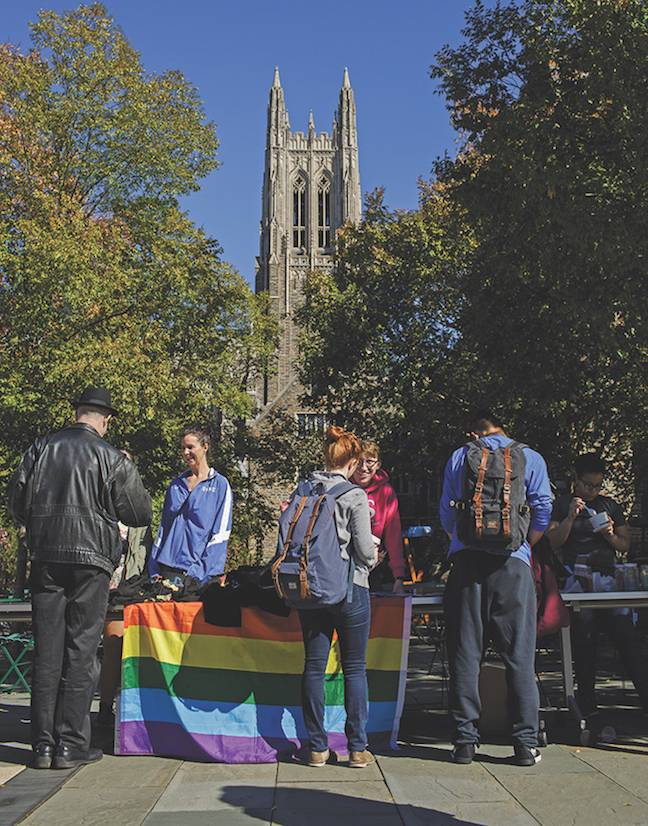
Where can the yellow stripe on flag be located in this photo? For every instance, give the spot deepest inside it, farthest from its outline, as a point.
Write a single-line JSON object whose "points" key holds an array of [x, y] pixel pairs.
{"points": [[240, 654]]}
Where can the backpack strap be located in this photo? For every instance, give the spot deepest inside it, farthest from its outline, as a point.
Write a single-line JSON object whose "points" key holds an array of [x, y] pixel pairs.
{"points": [[304, 590], [479, 488], [282, 556], [506, 493]]}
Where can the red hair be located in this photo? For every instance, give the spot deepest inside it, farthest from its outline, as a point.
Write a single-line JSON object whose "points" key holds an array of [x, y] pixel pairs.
{"points": [[340, 447]]}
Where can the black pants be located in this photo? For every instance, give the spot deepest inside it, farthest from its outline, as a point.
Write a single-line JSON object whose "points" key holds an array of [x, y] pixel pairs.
{"points": [[68, 612], [585, 628], [492, 598]]}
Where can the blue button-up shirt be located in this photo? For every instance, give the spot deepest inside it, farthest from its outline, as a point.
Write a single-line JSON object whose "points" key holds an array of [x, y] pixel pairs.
{"points": [[536, 480]]}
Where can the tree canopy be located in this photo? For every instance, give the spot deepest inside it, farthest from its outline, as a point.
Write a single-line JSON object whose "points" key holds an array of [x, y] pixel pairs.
{"points": [[549, 100], [103, 279]]}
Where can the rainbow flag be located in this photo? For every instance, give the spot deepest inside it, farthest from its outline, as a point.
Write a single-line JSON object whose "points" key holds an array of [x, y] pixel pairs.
{"points": [[201, 692]]}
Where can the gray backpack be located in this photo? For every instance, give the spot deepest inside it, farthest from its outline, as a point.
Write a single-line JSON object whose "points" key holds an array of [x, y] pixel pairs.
{"points": [[308, 569], [493, 515]]}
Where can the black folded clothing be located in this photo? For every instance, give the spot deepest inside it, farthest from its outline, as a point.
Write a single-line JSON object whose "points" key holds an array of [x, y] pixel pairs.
{"points": [[139, 588], [247, 586]]}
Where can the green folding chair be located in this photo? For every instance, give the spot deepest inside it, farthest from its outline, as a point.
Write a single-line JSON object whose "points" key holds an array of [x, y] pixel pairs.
{"points": [[14, 649]]}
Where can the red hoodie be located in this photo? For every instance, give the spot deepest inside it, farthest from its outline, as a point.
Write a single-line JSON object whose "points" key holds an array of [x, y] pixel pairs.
{"points": [[386, 524]]}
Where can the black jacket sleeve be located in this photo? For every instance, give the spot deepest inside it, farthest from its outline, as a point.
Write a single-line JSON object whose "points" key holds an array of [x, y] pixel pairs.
{"points": [[20, 485], [130, 498]]}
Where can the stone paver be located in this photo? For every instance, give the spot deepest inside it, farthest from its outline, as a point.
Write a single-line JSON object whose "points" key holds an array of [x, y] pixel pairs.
{"points": [[126, 772], [384, 817], [200, 787], [498, 813], [97, 806], [433, 790], [583, 799], [320, 804], [223, 817], [629, 769], [330, 798], [8, 770]]}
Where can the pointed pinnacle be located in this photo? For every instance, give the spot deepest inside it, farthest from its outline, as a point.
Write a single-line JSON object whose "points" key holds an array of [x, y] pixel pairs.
{"points": [[311, 121], [276, 83], [346, 84]]}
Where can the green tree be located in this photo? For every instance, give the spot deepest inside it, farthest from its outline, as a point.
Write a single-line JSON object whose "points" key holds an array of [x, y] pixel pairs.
{"points": [[548, 98], [380, 330], [103, 279]]}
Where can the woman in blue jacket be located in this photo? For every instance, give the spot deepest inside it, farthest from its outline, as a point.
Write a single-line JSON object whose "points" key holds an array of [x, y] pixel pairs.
{"points": [[196, 519]]}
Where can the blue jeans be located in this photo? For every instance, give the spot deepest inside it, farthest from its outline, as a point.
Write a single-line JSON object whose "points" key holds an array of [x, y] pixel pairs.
{"points": [[351, 620]]}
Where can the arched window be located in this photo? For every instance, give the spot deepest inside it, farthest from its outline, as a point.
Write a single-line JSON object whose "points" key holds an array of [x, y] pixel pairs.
{"points": [[299, 213], [324, 213]]}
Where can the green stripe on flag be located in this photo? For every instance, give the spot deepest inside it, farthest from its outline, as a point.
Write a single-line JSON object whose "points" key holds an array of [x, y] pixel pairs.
{"points": [[229, 686]]}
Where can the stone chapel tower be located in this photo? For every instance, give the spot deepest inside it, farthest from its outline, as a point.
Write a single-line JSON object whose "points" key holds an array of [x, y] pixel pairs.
{"points": [[311, 187]]}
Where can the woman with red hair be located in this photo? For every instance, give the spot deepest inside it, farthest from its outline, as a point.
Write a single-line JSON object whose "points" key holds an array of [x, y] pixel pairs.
{"points": [[351, 619]]}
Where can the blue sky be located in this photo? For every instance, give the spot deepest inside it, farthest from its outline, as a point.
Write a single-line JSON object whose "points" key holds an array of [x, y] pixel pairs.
{"points": [[229, 50]]}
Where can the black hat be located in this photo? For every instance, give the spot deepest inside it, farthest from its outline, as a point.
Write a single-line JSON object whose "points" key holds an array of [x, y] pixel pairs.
{"points": [[96, 397]]}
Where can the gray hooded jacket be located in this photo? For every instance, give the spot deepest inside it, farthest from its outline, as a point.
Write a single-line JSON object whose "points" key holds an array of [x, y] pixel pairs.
{"points": [[353, 524]]}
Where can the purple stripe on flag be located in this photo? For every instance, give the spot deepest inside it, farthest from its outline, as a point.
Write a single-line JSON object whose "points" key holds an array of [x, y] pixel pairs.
{"points": [[137, 737]]}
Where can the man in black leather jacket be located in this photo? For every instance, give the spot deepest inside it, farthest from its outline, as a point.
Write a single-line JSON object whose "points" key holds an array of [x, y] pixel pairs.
{"points": [[70, 490]]}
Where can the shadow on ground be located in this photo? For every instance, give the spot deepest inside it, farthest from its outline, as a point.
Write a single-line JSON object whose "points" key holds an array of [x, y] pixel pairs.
{"points": [[295, 806]]}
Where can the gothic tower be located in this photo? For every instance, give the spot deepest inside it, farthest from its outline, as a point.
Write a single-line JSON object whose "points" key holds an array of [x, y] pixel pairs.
{"points": [[311, 187]]}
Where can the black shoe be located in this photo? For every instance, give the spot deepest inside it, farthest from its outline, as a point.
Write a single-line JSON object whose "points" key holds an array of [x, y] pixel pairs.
{"points": [[463, 753], [525, 756], [67, 757], [43, 754]]}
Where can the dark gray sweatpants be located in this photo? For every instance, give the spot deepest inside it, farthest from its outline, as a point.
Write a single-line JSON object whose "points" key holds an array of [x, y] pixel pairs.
{"points": [[491, 597]]}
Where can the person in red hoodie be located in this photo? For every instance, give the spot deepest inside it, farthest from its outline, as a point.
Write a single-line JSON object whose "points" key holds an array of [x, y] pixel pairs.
{"points": [[383, 504]]}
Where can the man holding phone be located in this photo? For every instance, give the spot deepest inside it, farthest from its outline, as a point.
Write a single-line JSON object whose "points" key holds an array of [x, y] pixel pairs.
{"points": [[587, 523]]}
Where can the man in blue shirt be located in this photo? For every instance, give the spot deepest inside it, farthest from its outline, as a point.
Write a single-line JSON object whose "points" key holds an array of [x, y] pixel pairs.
{"points": [[491, 595]]}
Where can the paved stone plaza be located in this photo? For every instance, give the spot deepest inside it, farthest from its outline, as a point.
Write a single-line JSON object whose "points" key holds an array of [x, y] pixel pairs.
{"points": [[418, 785]]}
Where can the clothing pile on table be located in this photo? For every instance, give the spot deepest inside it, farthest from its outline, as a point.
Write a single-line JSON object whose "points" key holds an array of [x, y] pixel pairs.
{"points": [[247, 586], [244, 587], [142, 588]]}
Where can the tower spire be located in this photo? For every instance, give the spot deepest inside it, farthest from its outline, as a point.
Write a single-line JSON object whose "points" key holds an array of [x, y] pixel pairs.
{"points": [[277, 114], [311, 121], [346, 140]]}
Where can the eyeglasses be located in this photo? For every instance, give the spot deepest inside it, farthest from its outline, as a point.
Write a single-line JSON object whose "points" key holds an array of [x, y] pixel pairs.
{"points": [[591, 485], [370, 464]]}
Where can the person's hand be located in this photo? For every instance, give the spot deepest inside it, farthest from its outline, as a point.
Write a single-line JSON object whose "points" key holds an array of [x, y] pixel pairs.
{"points": [[398, 587], [608, 531], [283, 506], [575, 507]]}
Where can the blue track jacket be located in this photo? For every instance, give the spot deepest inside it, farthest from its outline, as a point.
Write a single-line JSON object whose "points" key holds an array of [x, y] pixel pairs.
{"points": [[536, 480], [195, 527]]}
